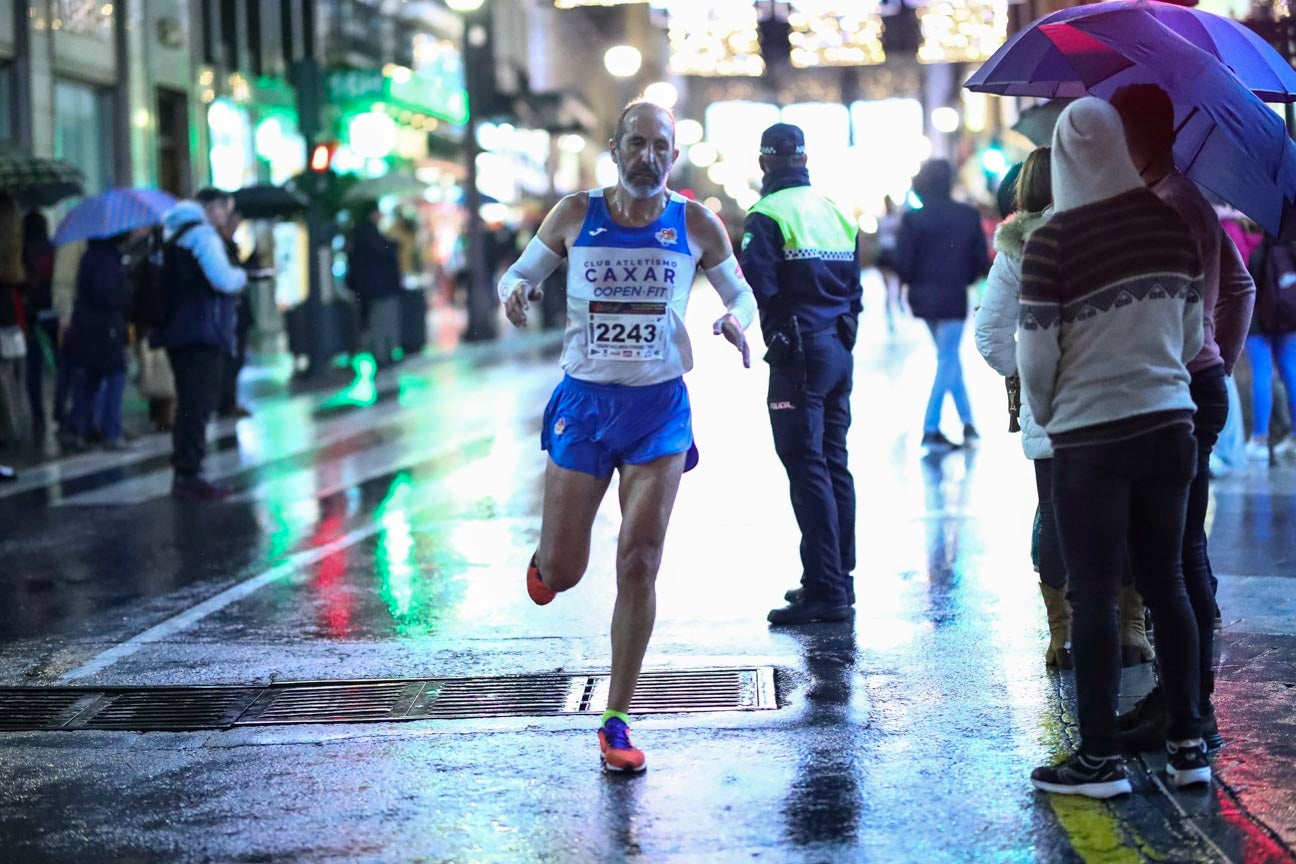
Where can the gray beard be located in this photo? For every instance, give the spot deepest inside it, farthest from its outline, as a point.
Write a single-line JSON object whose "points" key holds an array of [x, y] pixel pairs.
{"points": [[640, 191]]}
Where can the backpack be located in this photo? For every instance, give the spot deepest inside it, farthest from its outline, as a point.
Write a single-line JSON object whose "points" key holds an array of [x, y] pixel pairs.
{"points": [[152, 304], [1276, 297]]}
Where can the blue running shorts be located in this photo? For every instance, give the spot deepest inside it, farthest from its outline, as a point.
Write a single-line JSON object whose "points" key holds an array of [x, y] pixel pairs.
{"points": [[596, 428]]}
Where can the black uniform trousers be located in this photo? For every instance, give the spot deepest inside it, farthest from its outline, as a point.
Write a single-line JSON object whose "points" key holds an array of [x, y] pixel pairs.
{"points": [[809, 405], [197, 371]]}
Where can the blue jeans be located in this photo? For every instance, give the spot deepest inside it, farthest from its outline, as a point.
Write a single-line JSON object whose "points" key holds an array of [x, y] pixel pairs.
{"points": [[949, 374], [91, 388], [1261, 350]]}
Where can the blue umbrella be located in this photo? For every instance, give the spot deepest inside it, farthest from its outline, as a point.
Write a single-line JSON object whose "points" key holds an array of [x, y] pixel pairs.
{"points": [[1229, 142], [112, 213], [1030, 64]]}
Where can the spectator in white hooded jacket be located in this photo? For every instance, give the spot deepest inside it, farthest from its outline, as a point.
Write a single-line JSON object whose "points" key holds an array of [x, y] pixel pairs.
{"points": [[996, 339]]}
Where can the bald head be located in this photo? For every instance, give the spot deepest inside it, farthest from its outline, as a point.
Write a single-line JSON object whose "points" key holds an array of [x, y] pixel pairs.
{"points": [[635, 111], [644, 148]]}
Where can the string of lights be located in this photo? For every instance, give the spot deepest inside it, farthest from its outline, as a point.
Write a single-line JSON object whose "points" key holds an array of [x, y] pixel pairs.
{"points": [[962, 31], [835, 33], [713, 37]]}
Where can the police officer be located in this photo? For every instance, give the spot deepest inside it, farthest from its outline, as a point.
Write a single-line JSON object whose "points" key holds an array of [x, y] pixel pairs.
{"points": [[800, 254]]}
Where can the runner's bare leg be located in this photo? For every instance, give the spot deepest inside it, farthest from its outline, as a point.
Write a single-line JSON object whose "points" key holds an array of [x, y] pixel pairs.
{"points": [[647, 497], [571, 500]]}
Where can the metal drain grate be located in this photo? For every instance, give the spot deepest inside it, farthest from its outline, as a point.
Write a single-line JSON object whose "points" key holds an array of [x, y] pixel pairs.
{"points": [[355, 702], [177, 709], [41, 709]]}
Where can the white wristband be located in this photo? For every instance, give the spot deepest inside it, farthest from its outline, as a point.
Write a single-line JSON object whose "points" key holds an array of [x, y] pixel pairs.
{"points": [[538, 262], [727, 279]]}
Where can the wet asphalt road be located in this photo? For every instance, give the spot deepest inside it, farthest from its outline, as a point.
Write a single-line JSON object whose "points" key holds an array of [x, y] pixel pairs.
{"points": [[382, 532]]}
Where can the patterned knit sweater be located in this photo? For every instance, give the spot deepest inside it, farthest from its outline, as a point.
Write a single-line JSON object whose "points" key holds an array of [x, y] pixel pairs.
{"points": [[1111, 313]]}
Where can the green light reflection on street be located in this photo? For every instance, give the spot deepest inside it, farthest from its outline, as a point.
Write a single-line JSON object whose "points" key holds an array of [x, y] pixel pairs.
{"points": [[405, 595], [362, 391]]}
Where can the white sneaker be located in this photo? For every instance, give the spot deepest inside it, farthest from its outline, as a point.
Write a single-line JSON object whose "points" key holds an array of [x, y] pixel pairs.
{"points": [[1285, 447], [1257, 451]]}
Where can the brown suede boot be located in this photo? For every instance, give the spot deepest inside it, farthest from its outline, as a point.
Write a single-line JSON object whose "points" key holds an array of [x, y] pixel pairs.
{"points": [[1135, 647], [1058, 609]]}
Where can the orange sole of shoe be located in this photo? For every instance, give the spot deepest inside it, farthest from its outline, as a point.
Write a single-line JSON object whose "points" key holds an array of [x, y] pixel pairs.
{"points": [[620, 764], [536, 589]]}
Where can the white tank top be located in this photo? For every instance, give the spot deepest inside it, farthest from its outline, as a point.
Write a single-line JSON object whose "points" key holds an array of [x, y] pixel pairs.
{"points": [[627, 293]]}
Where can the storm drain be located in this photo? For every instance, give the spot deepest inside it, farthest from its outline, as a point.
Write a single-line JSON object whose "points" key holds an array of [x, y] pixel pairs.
{"points": [[178, 709]]}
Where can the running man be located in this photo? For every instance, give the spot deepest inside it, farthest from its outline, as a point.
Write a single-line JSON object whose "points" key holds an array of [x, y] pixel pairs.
{"points": [[632, 252]]}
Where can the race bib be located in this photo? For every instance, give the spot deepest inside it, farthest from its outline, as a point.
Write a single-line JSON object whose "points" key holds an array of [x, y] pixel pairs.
{"points": [[627, 331]]}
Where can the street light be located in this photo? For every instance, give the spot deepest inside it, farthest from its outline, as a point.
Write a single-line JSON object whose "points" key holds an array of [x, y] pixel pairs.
{"points": [[662, 93], [465, 5], [623, 61], [945, 119], [688, 132]]}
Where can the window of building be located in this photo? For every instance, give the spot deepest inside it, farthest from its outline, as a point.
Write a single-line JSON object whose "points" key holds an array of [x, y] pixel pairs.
{"points": [[6, 101], [173, 143], [83, 132]]}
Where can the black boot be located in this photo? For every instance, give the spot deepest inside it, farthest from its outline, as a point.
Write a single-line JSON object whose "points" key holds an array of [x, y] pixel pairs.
{"points": [[805, 611], [794, 595]]}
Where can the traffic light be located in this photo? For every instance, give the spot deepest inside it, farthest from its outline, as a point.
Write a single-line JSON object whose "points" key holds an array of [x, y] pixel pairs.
{"points": [[322, 156]]}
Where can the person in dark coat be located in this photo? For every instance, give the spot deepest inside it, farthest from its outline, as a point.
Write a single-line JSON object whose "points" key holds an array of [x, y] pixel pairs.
{"points": [[200, 329], [96, 341], [800, 254], [940, 252], [373, 273], [42, 321]]}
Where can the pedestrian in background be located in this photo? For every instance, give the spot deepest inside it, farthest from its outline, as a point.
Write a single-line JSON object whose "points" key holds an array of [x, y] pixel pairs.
{"points": [[1111, 310], [201, 287], [373, 274], [42, 322], [232, 367], [15, 418], [1272, 344], [888, 236], [1227, 300], [96, 342], [800, 254], [996, 339], [148, 312], [940, 252], [67, 264]]}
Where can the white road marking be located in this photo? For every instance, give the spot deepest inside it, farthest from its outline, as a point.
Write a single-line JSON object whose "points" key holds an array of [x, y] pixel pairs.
{"points": [[189, 617]]}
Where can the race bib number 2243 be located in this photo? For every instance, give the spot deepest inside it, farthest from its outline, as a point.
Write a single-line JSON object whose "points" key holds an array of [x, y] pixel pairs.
{"points": [[627, 331]]}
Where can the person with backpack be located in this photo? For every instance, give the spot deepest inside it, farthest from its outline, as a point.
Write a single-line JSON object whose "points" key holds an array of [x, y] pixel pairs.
{"points": [[200, 289], [1272, 342]]}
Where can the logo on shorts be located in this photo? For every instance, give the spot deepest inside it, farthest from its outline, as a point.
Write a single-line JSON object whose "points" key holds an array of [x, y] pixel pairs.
{"points": [[782, 406], [667, 237], [561, 426]]}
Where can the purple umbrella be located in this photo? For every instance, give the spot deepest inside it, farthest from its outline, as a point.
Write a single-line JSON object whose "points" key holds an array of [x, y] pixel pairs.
{"points": [[112, 213], [1030, 64], [1229, 142]]}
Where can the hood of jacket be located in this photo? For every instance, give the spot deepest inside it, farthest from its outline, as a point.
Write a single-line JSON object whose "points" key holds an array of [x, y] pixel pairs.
{"points": [[182, 214], [1010, 236]]}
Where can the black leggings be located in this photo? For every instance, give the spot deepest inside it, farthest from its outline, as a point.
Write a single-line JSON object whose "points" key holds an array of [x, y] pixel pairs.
{"points": [[1052, 571], [1128, 495]]}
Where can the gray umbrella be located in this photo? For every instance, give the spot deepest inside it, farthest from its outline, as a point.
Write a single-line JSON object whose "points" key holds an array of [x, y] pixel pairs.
{"points": [[1037, 123], [36, 182]]}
